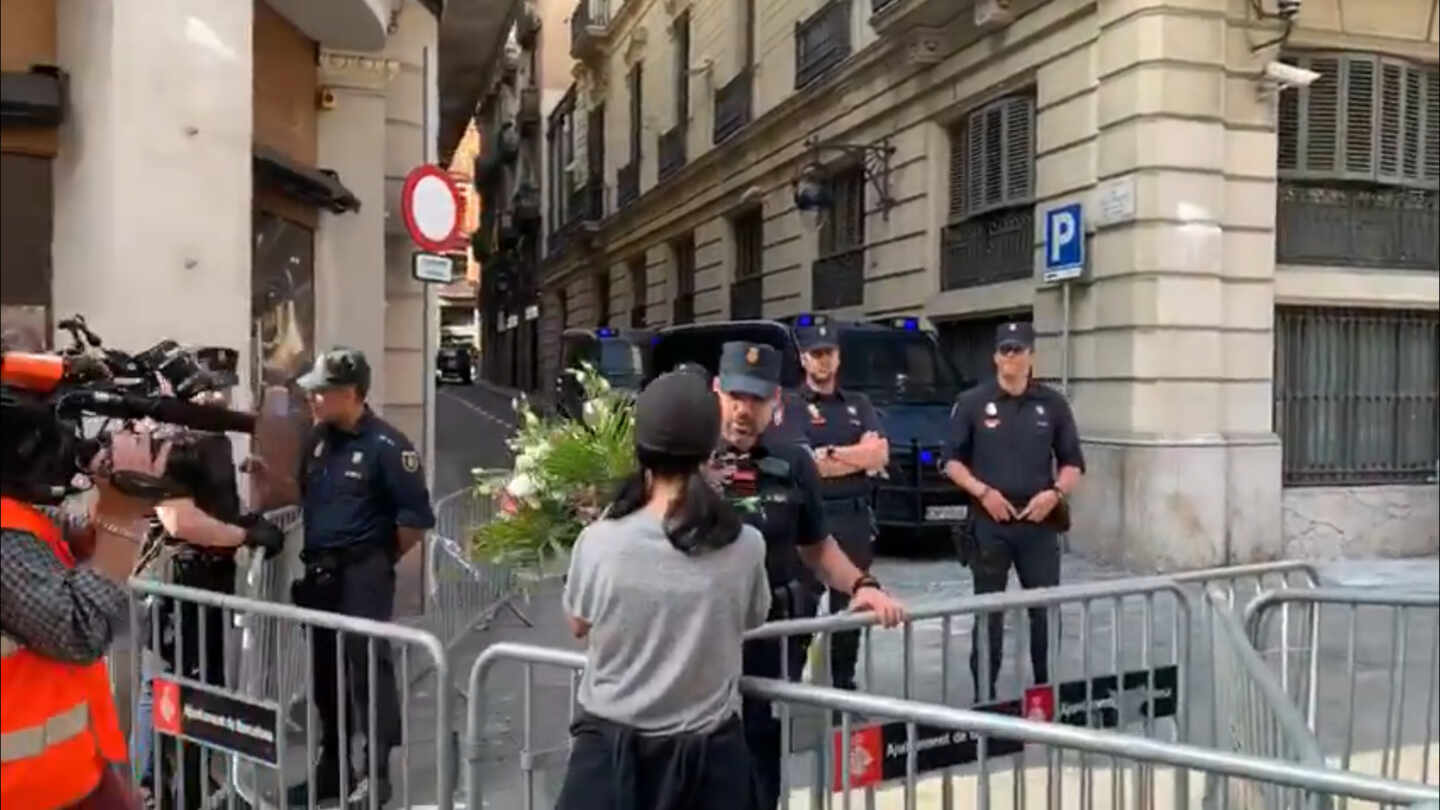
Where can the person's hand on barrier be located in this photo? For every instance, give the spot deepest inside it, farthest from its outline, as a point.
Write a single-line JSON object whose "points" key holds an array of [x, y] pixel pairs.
{"points": [[1040, 506], [262, 534], [997, 506], [885, 607]]}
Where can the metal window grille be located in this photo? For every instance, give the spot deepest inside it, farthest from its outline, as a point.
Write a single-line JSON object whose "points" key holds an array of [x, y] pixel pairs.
{"points": [[684, 251], [639, 292], [733, 104], [595, 141], [1356, 395], [821, 42], [747, 291], [602, 298], [837, 278]]}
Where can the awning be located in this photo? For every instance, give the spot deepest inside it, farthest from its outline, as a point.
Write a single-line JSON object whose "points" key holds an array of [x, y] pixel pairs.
{"points": [[34, 98], [318, 187]]}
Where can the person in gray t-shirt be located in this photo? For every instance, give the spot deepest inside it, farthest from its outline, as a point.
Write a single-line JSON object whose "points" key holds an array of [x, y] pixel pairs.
{"points": [[662, 588]]}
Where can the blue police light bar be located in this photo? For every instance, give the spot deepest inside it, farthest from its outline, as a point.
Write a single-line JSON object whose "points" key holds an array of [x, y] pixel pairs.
{"points": [[927, 457], [604, 331], [804, 320], [908, 324]]}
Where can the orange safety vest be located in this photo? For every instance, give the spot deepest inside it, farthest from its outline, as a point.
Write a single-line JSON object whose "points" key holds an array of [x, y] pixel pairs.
{"points": [[58, 727]]}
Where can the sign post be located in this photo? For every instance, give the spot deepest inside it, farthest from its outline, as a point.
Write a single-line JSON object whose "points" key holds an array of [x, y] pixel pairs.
{"points": [[1064, 262]]}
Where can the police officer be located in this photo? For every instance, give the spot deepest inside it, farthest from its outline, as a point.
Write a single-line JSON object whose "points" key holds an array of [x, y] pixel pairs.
{"points": [[363, 492], [777, 489], [846, 439], [1014, 448]]}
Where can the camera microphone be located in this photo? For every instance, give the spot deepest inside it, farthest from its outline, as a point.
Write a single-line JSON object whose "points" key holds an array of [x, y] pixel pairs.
{"points": [[171, 411]]}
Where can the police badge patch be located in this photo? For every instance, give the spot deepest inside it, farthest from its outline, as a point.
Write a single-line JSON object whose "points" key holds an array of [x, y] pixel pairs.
{"points": [[411, 460]]}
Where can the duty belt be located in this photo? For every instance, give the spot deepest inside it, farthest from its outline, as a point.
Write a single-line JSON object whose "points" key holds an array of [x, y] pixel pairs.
{"points": [[849, 503], [30, 742]]}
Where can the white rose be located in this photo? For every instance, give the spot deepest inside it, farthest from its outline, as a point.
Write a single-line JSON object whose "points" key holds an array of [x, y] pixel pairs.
{"points": [[521, 486]]}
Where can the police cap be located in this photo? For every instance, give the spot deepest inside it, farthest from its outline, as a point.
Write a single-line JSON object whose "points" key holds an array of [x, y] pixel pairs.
{"points": [[677, 415], [1019, 334], [810, 338], [336, 368], [749, 368]]}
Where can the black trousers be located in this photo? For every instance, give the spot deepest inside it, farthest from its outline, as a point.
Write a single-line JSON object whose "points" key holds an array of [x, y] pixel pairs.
{"points": [[363, 586], [853, 525], [761, 658], [1034, 552], [612, 767]]}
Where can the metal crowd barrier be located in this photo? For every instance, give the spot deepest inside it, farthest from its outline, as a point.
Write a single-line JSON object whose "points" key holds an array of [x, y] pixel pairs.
{"points": [[463, 594], [217, 741], [863, 757], [1363, 666]]}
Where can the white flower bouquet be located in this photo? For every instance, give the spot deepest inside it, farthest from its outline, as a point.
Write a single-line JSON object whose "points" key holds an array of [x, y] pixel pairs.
{"points": [[564, 471]]}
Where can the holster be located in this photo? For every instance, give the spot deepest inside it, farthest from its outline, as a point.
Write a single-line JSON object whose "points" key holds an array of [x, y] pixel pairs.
{"points": [[795, 599]]}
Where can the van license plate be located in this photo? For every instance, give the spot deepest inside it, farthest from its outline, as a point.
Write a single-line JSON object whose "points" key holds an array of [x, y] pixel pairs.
{"points": [[949, 512]]}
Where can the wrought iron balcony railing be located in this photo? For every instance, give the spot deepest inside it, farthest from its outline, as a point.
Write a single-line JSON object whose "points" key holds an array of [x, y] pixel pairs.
{"points": [[588, 28], [838, 280], [671, 151], [684, 308], [627, 184], [990, 248], [733, 105], [1356, 226], [821, 42], [747, 298]]}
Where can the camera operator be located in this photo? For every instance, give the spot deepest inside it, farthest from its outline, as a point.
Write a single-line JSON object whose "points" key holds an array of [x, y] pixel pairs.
{"points": [[204, 530], [62, 601]]}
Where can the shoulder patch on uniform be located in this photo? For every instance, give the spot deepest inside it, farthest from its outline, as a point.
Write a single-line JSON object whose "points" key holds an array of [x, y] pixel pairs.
{"points": [[411, 460]]}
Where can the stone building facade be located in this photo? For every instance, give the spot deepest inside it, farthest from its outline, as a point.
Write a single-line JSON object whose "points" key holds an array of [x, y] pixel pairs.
{"points": [[1252, 348]]}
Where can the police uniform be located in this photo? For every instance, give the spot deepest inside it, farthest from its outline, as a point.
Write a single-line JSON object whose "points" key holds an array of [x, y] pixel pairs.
{"points": [[1013, 444], [776, 488], [838, 419], [358, 487]]}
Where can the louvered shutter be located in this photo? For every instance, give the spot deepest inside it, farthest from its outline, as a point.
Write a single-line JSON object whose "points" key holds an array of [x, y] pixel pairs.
{"points": [[1320, 123], [1391, 124], [975, 164], [1413, 119], [1019, 150], [994, 156], [957, 171], [1359, 120], [1287, 128], [1431, 159]]}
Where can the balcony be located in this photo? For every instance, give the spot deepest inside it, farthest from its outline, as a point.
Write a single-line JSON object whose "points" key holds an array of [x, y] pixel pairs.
{"points": [[587, 202], [747, 298], [987, 249], [733, 106], [838, 281], [1356, 227], [627, 184], [672, 151], [821, 42], [589, 29], [684, 309]]}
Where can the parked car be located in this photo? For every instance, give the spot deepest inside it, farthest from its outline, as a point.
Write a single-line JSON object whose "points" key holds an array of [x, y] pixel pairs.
{"points": [[455, 363], [619, 355]]}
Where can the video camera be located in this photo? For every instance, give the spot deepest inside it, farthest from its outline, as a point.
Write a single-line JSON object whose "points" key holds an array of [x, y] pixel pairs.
{"points": [[44, 398]]}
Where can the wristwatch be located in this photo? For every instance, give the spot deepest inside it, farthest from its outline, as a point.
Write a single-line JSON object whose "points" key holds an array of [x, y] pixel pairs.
{"points": [[865, 581]]}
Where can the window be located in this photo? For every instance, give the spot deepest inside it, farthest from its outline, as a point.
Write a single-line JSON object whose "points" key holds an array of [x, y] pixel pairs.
{"points": [[684, 250], [1356, 394], [837, 278], [970, 343], [821, 42], [891, 368], [746, 293], [562, 305], [562, 153], [991, 235], [602, 298], [682, 69], [1359, 163], [639, 292], [637, 111], [595, 142], [747, 32]]}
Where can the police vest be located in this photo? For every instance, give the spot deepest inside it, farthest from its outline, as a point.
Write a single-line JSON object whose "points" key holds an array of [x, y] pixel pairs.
{"points": [[58, 726]]}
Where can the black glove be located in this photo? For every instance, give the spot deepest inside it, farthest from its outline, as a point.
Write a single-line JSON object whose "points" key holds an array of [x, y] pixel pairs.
{"points": [[261, 533]]}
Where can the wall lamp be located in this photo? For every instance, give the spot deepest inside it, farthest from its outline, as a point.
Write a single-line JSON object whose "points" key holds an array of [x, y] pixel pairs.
{"points": [[811, 185]]}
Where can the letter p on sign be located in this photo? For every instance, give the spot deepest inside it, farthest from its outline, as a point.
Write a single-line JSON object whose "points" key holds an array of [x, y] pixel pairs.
{"points": [[1064, 242]]}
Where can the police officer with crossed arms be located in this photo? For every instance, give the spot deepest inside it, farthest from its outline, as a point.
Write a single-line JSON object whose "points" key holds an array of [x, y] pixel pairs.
{"points": [[849, 445], [775, 486]]}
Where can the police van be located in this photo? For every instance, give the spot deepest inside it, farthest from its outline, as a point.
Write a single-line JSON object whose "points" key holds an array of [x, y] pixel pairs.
{"points": [[700, 343], [618, 355], [912, 385]]}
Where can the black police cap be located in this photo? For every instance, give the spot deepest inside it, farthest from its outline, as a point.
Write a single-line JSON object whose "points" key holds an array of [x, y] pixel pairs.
{"points": [[809, 338], [749, 368], [1015, 333], [336, 368]]}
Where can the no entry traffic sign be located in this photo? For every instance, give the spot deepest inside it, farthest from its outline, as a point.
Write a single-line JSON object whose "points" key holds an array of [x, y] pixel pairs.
{"points": [[432, 207]]}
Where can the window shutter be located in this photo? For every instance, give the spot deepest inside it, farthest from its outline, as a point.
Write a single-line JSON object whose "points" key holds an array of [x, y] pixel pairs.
{"points": [[1431, 161], [1019, 149], [957, 171], [1413, 120], [1359, 129], [1391, 124], [1287, 128], [994, 156], [1320, 125], [975, 163]]}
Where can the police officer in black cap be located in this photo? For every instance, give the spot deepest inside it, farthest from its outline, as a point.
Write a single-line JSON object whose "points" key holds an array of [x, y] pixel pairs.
{"points": [[362, 489], [849, 446], [777, 489], [1014, 447]]}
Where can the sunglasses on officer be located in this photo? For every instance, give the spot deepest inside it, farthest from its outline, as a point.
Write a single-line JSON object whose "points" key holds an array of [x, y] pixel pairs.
{"points": [[1012, 349]]}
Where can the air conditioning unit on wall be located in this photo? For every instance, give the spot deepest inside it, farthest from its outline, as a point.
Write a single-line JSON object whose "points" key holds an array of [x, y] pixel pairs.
{"points": [[993, 13]]}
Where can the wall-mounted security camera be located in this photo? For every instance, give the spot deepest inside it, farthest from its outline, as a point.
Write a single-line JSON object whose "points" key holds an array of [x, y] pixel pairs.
{"points": [[326, 99], [1285, 75], [1287, 9]]}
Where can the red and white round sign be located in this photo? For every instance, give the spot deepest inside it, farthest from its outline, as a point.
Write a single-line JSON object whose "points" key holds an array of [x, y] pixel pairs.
{"points": [[432, 207]]}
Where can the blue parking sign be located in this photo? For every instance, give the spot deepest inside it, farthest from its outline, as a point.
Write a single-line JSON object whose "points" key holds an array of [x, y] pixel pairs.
{"points": [[1064, 242]]}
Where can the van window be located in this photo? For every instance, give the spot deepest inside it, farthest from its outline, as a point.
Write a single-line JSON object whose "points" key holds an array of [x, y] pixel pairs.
{"points": [[891, 366]]}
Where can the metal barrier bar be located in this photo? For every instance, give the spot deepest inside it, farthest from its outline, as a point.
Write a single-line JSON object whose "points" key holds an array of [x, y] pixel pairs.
{"points": [[1366, 697], [1061, 738], [461, 593], [244, 725]]}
